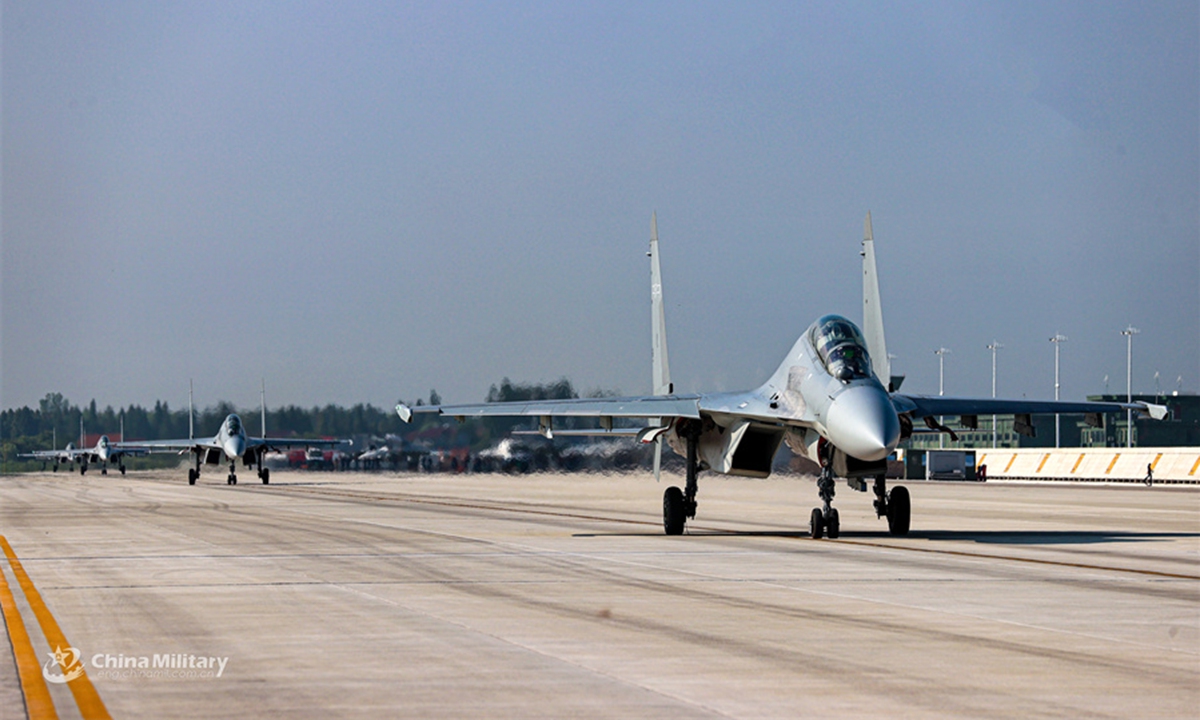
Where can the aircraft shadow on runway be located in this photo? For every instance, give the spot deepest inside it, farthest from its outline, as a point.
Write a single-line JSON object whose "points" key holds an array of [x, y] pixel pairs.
{"points": [[992, 537]]}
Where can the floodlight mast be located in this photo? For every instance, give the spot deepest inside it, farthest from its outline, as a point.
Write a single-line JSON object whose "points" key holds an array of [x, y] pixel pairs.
{"points": [[1129, 332], [994, 347], [941, 353], [1058, 339]]}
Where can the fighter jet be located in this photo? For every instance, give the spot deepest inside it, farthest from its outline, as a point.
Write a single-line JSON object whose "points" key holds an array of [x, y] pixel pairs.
{"points": [[832, 400], [104, 452], [231, 443]]}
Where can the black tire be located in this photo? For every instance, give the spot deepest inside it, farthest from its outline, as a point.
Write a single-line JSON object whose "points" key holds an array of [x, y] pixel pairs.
{"points": [[673, 514], [192, 475], [816, 524], [103, 471], [899, 511], [266, 476], [122, 469], [833, 525]]}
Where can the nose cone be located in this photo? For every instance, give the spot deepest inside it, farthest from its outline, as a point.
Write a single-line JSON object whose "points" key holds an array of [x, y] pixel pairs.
{"points": [[235, 446], [862, 423]]}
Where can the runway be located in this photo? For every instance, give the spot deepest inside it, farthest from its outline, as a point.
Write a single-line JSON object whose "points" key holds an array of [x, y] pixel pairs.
{"points": [[358, 595]]}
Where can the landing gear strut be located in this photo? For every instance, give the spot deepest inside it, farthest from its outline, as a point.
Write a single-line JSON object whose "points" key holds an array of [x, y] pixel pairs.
{"points": [[232, 479], [824, 520], [680, 505]]}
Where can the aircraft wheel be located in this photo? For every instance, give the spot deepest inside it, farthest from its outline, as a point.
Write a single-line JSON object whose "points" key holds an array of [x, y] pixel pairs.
{"points": [[103, 471], [832, 525], [122, 469], [192, 475], [816, 524], [673, 511], [83, 470], [266, 476], [898, 510]]}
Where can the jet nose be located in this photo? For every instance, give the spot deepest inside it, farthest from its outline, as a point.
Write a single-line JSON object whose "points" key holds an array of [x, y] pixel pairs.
{"points": [[235, 447], [862, 423]]}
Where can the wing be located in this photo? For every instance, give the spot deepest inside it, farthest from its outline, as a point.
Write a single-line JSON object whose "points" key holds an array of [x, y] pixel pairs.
{"points": [[647, 406], [181, 446], [276, 443], [920, 406], [47, 454]]}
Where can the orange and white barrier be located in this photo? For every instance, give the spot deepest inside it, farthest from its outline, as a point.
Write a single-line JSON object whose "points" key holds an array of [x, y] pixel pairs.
{"points": [[1119, 465]]}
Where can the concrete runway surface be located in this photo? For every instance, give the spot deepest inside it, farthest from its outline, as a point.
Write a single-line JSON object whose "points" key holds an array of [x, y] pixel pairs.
{"points": [[368, 595]]}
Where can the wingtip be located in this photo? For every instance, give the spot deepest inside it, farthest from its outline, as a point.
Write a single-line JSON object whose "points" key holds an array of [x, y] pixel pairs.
{"points": [[404, 412]]}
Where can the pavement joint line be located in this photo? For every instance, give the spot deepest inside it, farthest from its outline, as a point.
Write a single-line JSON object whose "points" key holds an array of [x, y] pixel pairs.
{"points": [[86, 697], [843, 541], [1035, 561], [35, 693], [529, 550]]}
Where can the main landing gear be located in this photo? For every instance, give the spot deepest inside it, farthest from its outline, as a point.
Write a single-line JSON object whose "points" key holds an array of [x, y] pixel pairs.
{"points": [[194, 473], [894, 505], [680, 505]]}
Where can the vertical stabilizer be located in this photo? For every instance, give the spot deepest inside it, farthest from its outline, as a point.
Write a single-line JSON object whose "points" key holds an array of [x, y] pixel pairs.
{"points": [[661, 370], [262, 403], [658, 323], [191, 415], [873, 310]]}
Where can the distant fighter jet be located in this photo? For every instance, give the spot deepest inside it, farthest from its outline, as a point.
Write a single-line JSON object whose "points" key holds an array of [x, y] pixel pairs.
{"points": [[231, 443], [104, 453], [832, 400]]}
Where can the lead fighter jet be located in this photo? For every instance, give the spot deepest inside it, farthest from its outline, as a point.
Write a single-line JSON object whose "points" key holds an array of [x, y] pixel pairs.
{"points": [[831, 400]]}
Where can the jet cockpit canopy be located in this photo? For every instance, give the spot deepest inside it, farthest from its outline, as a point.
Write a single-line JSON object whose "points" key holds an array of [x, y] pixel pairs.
{"points": [[841, 347], [233, 424]]}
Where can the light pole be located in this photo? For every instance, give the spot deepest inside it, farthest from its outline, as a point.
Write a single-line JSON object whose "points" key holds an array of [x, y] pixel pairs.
{"points": [[941, 353], [1058, 339], [994, 347], [1129, 332]]}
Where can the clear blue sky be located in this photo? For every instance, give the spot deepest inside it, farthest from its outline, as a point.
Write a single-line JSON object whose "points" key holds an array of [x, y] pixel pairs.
{"points": [[362, 201]]}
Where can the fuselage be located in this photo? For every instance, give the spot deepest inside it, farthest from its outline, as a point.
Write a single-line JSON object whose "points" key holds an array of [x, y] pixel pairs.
{"points": [[231, 438], [851, 405], [824, 399]]}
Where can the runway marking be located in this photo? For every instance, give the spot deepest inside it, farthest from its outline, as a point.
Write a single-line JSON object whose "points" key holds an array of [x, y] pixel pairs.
{"points": [[86, 697], [33, 686], [843, 540]]}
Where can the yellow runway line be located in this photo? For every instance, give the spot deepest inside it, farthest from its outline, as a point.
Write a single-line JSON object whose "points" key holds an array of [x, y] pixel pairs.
{"points": [[33, 685], [86, 697]]}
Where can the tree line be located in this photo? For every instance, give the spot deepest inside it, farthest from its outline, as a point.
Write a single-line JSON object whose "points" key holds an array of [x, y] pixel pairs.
{"points": [[56, 421]]}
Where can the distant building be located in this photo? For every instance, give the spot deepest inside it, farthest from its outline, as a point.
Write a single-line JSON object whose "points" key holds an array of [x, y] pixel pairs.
{"points": [[1181, 428]]}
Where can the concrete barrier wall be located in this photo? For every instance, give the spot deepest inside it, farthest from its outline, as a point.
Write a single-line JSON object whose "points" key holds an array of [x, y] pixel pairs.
{"points": [[1122, 465]]}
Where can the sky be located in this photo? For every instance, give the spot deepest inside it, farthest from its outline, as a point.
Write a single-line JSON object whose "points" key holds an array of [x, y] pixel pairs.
{"points": [[361, 202]]}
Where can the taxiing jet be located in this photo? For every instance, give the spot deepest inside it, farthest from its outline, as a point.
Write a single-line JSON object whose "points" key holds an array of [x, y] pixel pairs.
{"points": [[230, 444], [832, 400], [103, 453]]}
